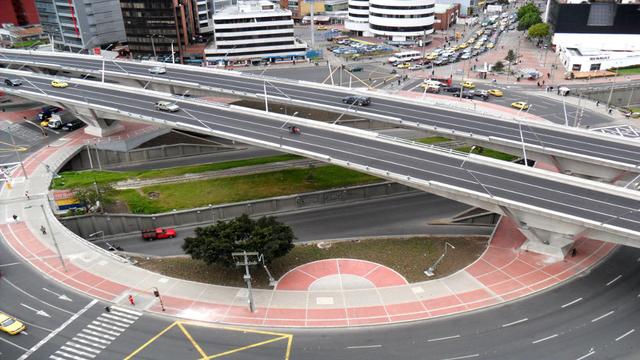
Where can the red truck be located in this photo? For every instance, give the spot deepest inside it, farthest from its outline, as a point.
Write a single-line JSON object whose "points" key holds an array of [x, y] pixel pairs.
{"points": [[158, 233]]}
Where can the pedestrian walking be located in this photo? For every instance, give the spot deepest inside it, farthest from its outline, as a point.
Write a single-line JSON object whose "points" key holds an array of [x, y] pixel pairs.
{"points": [[610, 110], [597, 103], [543, 82], [573, 252], [15, 217], [26, 194], [398, 82], [44, 231], [131, 301], [107, 308]]}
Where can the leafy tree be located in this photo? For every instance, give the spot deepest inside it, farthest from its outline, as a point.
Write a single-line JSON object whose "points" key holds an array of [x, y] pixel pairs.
{"points": [[540, 30], [89, 196], [529, 20], [498, 66], [528, 9], [511, 56], [215, 243]]}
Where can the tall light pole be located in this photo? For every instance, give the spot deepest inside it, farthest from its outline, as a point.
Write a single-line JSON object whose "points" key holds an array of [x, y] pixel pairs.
{"points": [[313, 37], [153, 46], [53, 237], [431, 270], [13, 142]]}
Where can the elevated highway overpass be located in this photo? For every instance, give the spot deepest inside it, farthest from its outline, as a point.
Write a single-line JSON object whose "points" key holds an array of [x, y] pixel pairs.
{"points": [[572, 150], [550, 209]]}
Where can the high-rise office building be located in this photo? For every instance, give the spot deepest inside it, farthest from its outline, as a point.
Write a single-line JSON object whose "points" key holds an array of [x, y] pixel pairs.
{"points": [[157, 24], [18, 12], [397, 20], [77, 25]]}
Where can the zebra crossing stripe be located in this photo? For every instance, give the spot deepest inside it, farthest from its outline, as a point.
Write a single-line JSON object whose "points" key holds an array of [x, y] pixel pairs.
{"points": [[79, 352], [53, 357], [117, 318], [98, 323], [116, 334], [89, 342], [62, 353], [124, 315], [82, 347], [92, 338], [113, 321], [99, 334], [132, 312]]}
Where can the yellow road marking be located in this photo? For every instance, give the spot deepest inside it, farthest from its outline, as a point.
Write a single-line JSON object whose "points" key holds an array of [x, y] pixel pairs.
{"points": [[193, 342], [136, 351], [289, 344], [246, 347]]}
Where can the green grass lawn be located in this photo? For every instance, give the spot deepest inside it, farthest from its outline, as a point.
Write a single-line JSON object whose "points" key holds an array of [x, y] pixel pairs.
{"points": [[75, 179], [240, 188], [30, 43], [409, 257], [432, 140], [629, 71], [490, 153]]}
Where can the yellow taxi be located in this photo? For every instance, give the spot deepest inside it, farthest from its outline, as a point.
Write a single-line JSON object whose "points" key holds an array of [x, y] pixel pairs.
{"points": [[490, 46], [432, 56], [478, 46], [496, 92], [520, 105], [10, 325], [463, 45], [404, 66], [322, 27], [44, 123], [59, 84], [468, 85]]}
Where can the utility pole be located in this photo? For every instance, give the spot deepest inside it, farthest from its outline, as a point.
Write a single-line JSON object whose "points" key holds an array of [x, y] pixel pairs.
{"points": [[611, 92], [247, 276], [313, 37], [13, 142]]}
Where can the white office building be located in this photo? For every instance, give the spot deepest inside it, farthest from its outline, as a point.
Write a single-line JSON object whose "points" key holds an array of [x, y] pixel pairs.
{"points": [[254, 31], [397, 20]]}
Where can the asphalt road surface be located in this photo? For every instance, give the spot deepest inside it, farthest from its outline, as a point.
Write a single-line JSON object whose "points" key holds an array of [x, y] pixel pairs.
{"points": [[573, 142], [395, 215]]}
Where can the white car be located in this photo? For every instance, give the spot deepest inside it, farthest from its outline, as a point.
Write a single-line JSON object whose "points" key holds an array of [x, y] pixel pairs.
{"points": [[167, 106], [465, 56], [158, 70]]}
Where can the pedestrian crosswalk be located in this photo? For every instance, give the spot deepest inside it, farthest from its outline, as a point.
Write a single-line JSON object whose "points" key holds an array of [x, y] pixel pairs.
{"points": [[97, 335]]}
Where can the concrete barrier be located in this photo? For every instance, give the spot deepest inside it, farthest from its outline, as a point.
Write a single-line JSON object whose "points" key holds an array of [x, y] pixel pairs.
{"points": [[115, 224]]}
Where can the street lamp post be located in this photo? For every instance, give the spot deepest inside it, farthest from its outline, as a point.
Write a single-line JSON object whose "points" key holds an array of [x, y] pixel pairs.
{"points": [[431, 270], [153, 46], [53, 237]]}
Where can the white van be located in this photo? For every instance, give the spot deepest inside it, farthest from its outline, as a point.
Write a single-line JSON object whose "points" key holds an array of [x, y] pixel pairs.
{"points": [[167, 106], [431, 83]]}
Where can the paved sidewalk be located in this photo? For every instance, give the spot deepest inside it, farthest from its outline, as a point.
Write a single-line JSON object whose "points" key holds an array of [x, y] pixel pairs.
{"points": [[502, 273]]}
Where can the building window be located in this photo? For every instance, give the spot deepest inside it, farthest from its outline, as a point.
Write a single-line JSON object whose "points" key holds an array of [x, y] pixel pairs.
{"points": [[576, 67], [595, 67], [601, 14]]}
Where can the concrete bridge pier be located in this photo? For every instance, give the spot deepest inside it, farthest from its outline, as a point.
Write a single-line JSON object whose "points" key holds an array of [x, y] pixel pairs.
{"points": [[96, 126]]}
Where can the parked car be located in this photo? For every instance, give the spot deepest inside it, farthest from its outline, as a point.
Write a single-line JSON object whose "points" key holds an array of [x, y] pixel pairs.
{"points": [[167, 106], [357, 100], [415, 67], [158, 233], [13, 82], [10, 325], [72, 125]]}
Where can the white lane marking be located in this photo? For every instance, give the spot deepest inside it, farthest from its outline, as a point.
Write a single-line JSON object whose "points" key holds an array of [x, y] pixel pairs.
{"points": [[614, 280], [87, 342], [81, 353], [9, 264], [107, 326], [16, 345], [82, 347], [53, 357], [364, 347], [625, 334], [124, 316], [98, 334], [35, 298], [38, 312], [56, 331], [462, 357], [515, 322], [132, 312], [69, 355], [92, 338], [444, 338], [544, 339], [603, 316], [591, 352], [571, 303], [60, 296]]}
